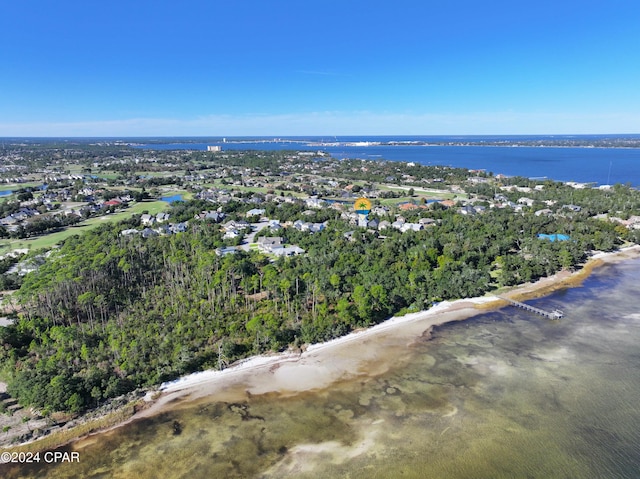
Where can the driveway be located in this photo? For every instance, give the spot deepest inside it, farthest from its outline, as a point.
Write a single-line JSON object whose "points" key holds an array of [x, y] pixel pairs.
{"points": [[255, 228]]}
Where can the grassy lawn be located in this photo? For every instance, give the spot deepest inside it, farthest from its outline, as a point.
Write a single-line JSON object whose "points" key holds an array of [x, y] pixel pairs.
{"points": [[108, 176], [157, 174], [219, 184], [17, 186], [47, 241], [416, 199], [75, 169], [186, 195], [254, 189], [431, 192], [153, 207], [397, 201]]}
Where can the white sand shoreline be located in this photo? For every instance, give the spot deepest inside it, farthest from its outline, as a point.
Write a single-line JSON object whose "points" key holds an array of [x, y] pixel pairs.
{"points": [[321, 364], [255, 362], [195, 379], [360, 353]]}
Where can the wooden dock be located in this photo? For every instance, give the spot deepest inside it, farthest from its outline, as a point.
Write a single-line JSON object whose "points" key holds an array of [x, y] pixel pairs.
{"points": [[555, 314]]}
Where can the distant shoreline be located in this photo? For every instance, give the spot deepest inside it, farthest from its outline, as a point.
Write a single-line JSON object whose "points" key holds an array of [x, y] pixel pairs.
{"points": [[311, 143], [320, 364], [604, 141]]}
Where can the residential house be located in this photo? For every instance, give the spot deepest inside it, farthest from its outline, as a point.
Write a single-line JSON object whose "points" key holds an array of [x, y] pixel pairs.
{"points": [[73, 211], [576, 185], [373, 224], [292, 250], [214, 216], [267, 243], [231, 234], [314, 202], [408, 206], [163, 229], [349, 235], [574, 208], [226, 250], [478, 180], [525, 201], [162, 217], [25, 213], [427, 221], [149, 233], [310, 227], [113, 202], [9, 220], [350, 216], [178, 227], [380, 210], [236, 225], [545, 212], [147, 220], [467, 210], [255, 212], [398, 223], [411, 227]]}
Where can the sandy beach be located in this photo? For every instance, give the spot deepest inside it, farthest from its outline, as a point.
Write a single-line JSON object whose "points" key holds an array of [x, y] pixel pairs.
{"points": [[363, 353], [320, 365]]}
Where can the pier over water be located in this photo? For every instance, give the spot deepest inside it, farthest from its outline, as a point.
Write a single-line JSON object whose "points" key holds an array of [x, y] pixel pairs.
{"points": [[555, 314]]}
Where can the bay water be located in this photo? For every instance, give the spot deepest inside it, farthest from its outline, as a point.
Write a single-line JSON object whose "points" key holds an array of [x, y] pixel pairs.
{"points": [[580, 164], [505, 394]]}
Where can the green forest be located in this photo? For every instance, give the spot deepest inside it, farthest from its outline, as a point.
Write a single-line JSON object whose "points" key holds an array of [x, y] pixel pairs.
{"points": [[107, 313]]}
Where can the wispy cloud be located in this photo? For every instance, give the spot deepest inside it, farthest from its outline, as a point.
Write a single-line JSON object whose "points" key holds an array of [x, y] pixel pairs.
{"points": [[338, 123]]}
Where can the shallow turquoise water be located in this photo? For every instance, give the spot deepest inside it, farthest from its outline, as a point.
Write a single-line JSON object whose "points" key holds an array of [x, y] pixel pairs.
{"points": [[503, 395]]}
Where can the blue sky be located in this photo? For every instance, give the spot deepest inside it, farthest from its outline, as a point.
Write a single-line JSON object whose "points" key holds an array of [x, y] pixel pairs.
{"points": [[270, 67]]}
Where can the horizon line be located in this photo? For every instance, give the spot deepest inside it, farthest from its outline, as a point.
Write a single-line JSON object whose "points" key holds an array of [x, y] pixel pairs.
{"points": [[284, 137]]}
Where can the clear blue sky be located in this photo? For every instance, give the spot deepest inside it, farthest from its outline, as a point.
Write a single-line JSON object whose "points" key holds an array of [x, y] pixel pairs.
{"points": [[270, 67]]}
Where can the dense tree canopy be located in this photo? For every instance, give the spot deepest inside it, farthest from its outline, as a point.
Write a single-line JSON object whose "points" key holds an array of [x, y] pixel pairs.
{"points": [[107, 313]]}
